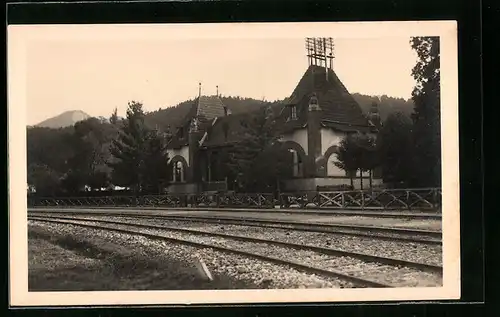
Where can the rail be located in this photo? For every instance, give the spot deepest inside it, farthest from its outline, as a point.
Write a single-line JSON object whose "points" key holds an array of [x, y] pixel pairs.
{"points": [[379, 199]]}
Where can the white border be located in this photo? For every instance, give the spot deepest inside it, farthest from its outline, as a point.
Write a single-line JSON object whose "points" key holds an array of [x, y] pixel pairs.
{"points": [[19, 36]]}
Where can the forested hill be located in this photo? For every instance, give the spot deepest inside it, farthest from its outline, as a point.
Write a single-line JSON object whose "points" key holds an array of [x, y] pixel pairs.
{"points": [[386, 105], [173, 116]]}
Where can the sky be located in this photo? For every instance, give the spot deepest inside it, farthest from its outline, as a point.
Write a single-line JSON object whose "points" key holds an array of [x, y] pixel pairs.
{"points": [[96, 76]]}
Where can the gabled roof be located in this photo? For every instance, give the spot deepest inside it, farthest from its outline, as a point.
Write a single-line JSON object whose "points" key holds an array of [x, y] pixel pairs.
{"points": [[230, 129], [209, 107], [205, 109], [339, 110], [226, 130]]}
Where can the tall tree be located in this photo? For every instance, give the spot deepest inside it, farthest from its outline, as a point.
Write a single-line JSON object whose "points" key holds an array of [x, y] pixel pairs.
{"points": [[395, 149], [258, 160], [87, 166], [128, 149], [157, 170], [140, 160], [426, 116]]}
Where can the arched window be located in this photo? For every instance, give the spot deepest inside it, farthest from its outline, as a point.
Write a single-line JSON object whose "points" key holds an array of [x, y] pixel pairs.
{"points": [[293, 112], [178, 173], [297, 163]]}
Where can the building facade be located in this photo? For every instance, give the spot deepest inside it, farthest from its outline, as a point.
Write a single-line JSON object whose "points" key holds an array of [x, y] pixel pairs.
{"points": [[319, 113]]}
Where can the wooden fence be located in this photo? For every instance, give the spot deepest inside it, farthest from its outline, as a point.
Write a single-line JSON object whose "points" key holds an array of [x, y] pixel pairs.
{"points": [[380, 199]]}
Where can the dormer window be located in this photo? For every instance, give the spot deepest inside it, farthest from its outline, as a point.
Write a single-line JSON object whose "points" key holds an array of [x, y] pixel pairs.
{"points": [[293, 112], [313, 103]]}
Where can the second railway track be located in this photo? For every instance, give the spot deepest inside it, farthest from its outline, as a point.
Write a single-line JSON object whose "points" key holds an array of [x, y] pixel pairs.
{"points": [[383, 233], [355, 265]]}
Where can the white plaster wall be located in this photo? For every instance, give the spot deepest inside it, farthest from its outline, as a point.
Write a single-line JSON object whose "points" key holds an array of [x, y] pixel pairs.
{"points": [[183, 151], [329, 138], [332, 169], [299, 136]]}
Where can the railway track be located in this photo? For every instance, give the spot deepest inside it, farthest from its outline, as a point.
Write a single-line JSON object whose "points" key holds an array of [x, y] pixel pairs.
{"points": [[306, 211], [371, 263], [383, 233]]}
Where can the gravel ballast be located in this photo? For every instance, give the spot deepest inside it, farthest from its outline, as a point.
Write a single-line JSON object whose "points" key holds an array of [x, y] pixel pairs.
{"points": [[408, 251], [255, 273], [382, 232], [388, 274]]}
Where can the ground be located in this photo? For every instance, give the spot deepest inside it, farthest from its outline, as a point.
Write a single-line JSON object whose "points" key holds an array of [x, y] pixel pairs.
{"points": [[71, 264]]}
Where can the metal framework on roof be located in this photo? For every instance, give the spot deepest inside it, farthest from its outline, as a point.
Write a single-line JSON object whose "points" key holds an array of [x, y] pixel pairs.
{"points": [[320, 51]]}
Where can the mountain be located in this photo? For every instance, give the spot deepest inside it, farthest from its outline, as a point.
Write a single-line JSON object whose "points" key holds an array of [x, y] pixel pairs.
{"points": [[65, 119]]}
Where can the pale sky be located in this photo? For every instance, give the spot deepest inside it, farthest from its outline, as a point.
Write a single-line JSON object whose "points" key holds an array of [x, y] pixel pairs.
{"points": [[96, 76]]}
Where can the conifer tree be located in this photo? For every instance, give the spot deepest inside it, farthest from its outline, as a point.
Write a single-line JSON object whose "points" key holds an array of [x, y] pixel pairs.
{"points": [[394, 147], [128, 150], [139, 154], [426, 116], [113, 119]]}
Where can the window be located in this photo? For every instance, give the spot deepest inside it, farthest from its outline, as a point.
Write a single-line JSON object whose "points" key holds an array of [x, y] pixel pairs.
{"points": [[297, 163], [178, 173], [293, 112]]}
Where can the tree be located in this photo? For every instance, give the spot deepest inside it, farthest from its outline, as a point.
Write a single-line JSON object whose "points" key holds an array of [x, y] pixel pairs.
{"points": [[128, 149], [87, 166], [258, 160], [98, 180], [346, 157], [270, 167], [395, 149], [49, 147], [113, 119], [157, 170], [73, 181], [368, 156], [357, 152], [139, 154], [44, 179], [426, 116]]}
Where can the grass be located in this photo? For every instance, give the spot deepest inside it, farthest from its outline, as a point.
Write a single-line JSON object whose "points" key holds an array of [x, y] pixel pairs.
{"points": [[69, 263]]}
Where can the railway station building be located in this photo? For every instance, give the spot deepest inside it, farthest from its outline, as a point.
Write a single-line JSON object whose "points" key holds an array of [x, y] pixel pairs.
{"points": [[319, 113]]}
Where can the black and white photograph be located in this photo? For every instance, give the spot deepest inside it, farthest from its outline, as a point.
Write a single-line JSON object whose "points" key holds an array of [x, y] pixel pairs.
{"points": [[233, 163]]}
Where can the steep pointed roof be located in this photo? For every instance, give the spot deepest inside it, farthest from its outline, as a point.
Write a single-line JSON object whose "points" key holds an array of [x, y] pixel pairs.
{"points": [[339, 110], [205, 109]]}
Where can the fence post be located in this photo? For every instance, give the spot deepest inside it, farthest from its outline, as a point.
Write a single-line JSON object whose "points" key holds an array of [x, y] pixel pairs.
{"points": [[362, 200]]}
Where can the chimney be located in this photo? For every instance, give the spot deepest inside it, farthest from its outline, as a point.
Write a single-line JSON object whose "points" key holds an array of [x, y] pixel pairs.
{"points": [[217, 91], [199, 89]]}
